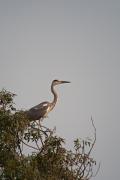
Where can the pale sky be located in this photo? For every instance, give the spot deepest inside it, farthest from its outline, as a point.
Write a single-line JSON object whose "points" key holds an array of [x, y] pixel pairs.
{"points": [[74, 40]]}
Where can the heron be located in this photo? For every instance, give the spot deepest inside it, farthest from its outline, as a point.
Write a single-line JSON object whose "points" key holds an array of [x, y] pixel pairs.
{"points": [[41, 110]]}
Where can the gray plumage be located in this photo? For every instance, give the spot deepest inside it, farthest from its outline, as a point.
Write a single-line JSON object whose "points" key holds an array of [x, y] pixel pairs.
{"points": [[41, 110]]}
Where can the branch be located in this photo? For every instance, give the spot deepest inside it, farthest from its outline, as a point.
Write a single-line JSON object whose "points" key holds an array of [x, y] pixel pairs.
{"points": [[29, 145], [94, 137], [37, 144]]}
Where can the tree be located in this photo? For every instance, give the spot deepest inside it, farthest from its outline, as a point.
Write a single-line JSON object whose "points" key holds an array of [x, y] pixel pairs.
{"points": [[49, 160]]}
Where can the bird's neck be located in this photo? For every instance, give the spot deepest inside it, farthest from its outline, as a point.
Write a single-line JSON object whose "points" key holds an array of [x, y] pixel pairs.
{"points": [[55, 95]]}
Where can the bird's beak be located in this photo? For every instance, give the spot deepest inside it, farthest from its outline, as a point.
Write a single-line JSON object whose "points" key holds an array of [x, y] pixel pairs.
{"points": [[64, 82]]}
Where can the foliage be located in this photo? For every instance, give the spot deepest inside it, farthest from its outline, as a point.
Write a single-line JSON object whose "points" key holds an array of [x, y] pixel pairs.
{"points": [[49, 160]]}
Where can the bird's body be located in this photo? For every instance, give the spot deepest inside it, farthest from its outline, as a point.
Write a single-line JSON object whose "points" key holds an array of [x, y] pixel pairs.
{"points": [[41, 110]]}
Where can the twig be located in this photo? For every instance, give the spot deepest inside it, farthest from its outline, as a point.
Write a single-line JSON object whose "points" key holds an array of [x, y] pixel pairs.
{"points": [[94, 137], [29, 145], [37, 144]]}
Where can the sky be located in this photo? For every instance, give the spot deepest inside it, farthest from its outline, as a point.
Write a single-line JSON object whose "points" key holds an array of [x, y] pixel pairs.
{"points": [[73, 40]]}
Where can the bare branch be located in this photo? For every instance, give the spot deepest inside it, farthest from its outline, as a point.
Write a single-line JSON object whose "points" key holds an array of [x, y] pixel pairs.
{"points": [[94, 137]]}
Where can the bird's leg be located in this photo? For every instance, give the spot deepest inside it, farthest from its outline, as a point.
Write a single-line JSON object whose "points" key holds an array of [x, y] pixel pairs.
{"points": [[45, 116], [39, 123]]}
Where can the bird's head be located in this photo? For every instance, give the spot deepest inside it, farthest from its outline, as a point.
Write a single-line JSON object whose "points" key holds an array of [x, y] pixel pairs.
{"points": [[56, 82]]}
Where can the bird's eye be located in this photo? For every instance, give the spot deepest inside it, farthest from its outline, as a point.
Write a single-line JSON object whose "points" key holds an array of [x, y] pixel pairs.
{"points": [[55, 80]]}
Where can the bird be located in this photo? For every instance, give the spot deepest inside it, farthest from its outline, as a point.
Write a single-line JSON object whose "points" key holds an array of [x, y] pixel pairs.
{"points": [[41, 110]]}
